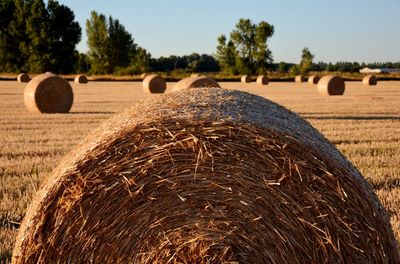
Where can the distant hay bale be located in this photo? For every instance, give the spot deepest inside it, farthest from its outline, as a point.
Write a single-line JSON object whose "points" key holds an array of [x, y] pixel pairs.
{"points": [[331, 85], [48, 93], [195, 82], [299, 78], [206, 176], [195, 75], [262, 80], [143, 75], [313, 79], [23, 78], [370, 80], [154, 84], [82, 79], [246, 79]]}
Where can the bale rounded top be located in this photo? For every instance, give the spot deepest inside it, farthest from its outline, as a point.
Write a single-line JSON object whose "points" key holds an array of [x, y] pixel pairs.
{"points": [[370, 80], [331, 85], [23, 77], [313, 79], [82, 79], [195, 82], [245, 79], [262, 80], [299, 78], [154, 84], [48, 93], [207, 175]]}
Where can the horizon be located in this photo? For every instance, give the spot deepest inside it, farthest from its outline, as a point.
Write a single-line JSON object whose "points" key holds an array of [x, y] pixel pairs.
{"points": [[345, 31]]}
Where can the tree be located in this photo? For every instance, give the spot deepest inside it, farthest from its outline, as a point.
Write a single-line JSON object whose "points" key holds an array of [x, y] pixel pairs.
{"points": [[65, 34], [37, 38], [248, 45], [7, 61], [112, 48], [96, 29], [263, 56], [306, 62], [82, 64], [141, 60], [226, 55], [120, 45]]}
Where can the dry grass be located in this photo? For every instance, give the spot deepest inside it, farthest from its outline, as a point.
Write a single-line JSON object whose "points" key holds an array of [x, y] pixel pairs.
{"points": [[364, 124]]}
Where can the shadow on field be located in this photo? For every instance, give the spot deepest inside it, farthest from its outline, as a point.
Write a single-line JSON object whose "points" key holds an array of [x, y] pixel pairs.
{"points": [[92, 113], [352, 117], [387, 184]]}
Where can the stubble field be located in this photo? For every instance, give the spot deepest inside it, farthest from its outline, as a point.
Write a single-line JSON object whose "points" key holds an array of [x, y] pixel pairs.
{"points": [[364, 124]]}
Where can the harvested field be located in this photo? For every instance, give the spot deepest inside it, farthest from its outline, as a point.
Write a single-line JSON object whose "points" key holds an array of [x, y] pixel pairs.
{"points": [[363, 123]]}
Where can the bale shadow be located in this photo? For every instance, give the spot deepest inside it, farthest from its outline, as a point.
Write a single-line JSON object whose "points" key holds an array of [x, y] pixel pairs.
{"points": [[92, 113], [377, 118]]}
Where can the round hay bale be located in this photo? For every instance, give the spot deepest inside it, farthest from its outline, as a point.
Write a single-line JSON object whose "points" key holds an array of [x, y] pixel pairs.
{"points": [[331, 85], [48, 72], [154, 84], [299, 78], [313, 79], [23, 78], [195, 82], [370, 80], [81, 79], [48, 93], [206, 176], [246, 79], [262, 80]]}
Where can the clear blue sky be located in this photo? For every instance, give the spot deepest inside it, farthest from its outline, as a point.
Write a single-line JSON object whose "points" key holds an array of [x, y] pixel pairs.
{"points": [[334, 30]]}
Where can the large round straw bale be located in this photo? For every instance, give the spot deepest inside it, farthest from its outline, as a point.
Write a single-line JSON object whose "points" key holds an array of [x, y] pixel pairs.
{"points": [[154, 84], [245, 79], [331, 85], [82, 79], [313, 79], [370, 80], [48, 93], [299, 78], [23, 77], [195, 82], [262, 80], [206, 176]]}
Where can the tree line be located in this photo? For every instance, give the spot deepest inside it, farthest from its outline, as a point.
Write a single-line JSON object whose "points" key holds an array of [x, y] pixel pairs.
{"points": [[38, 37]]}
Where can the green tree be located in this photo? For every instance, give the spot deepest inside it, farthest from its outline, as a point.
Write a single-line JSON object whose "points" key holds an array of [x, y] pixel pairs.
{"points": [[96, 29], [7, 47], [262, 55], [248, 45], [226, 55], [306, 62], [65, 34], [37, 38], [111, 47], [81, 62], [120, 45], [141, 60], [282, 67]]}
